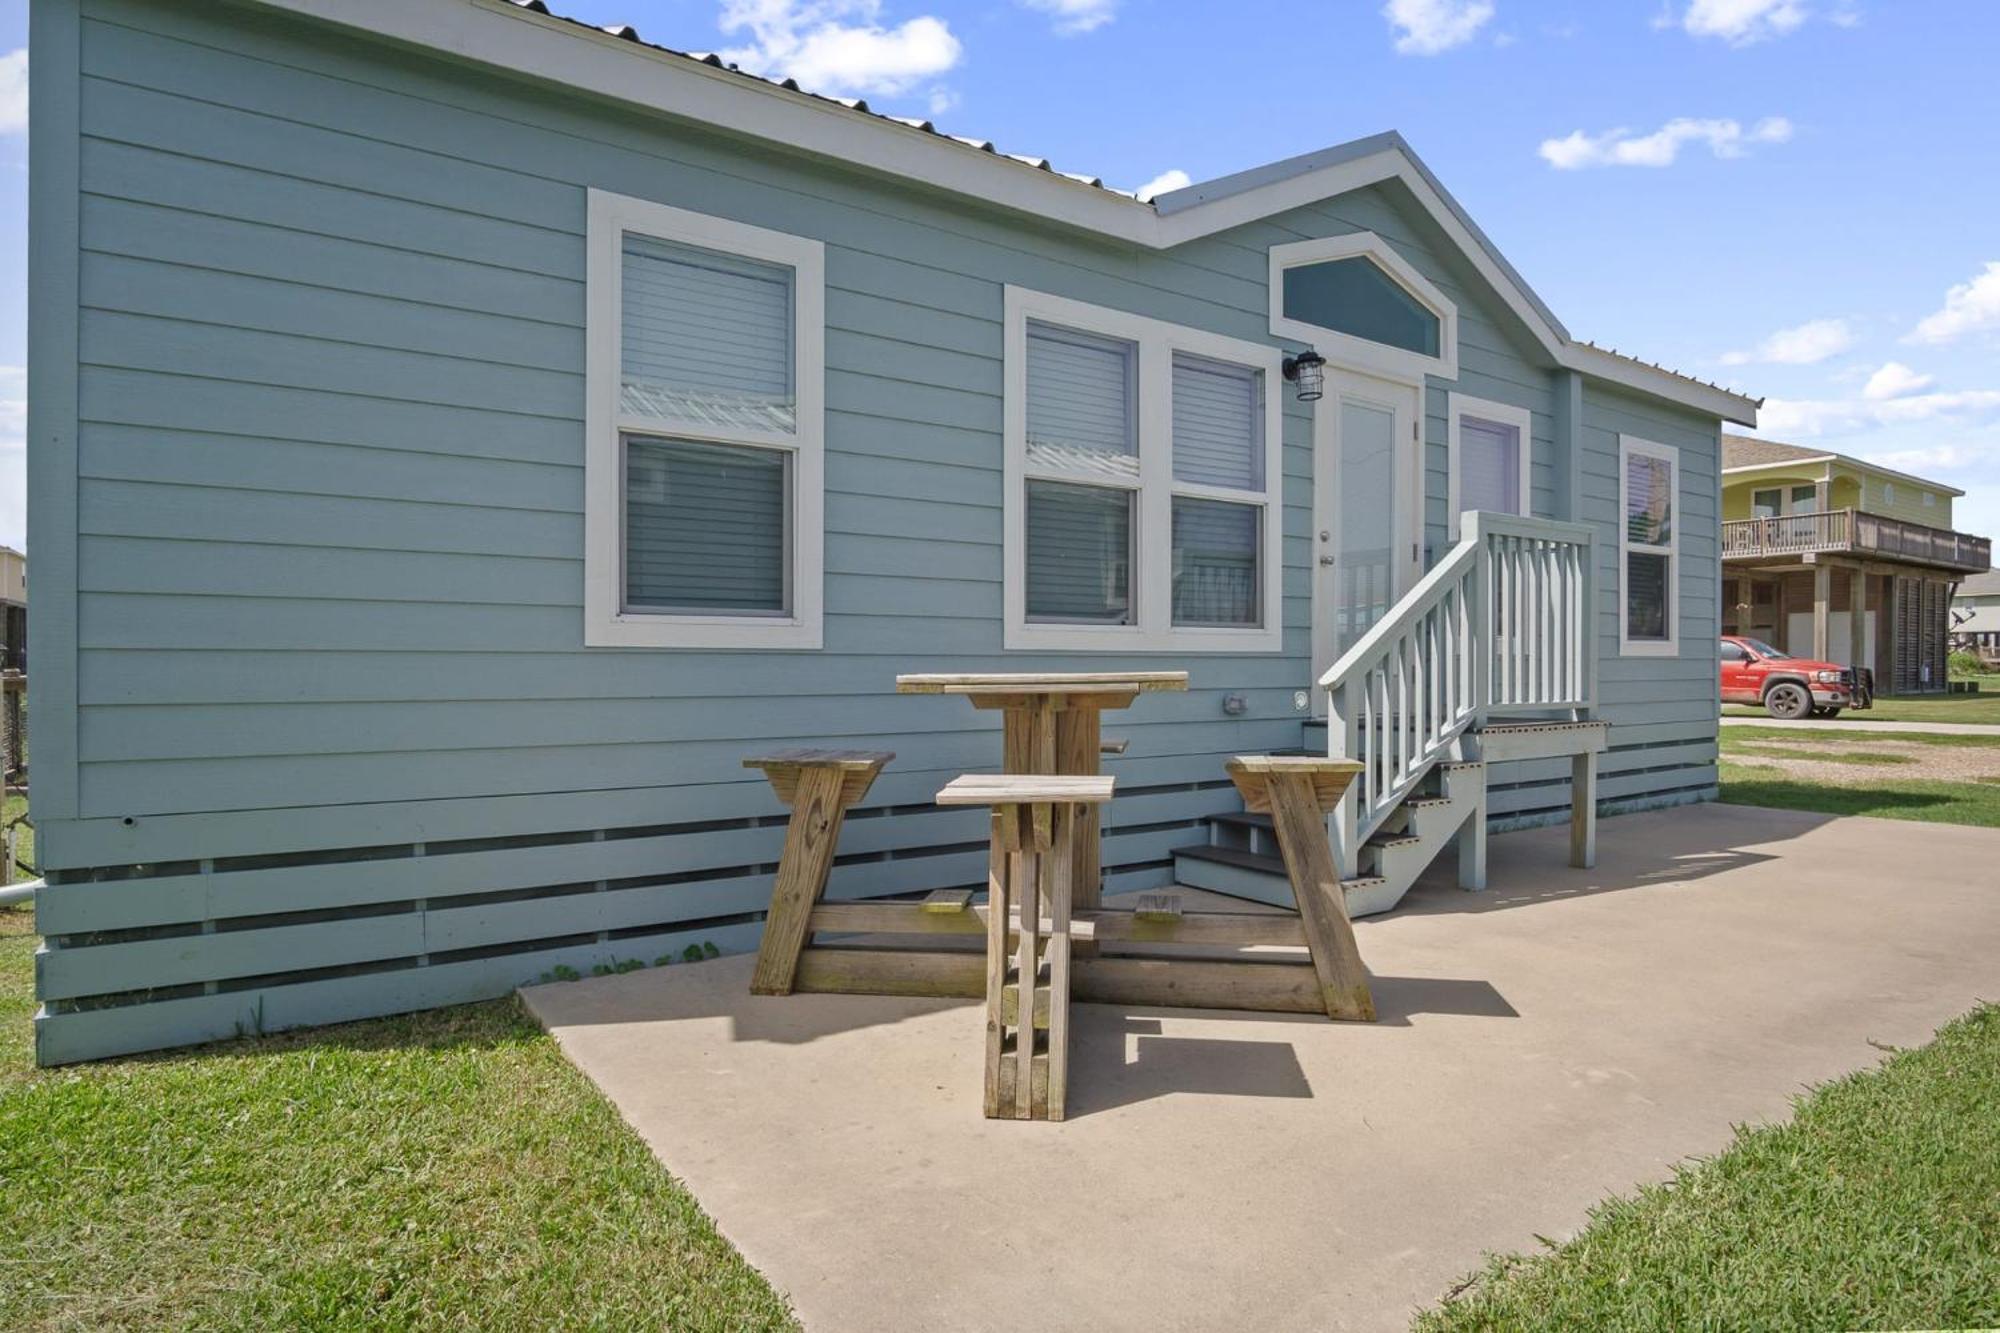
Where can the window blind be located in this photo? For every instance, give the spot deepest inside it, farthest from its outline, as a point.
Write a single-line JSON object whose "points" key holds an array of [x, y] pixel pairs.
{"points": [[705, 338], [1218, 427], [705, 526], [1079, 556], [1082, 403], [1215, 562], [1489, 462], [1645, 595]]}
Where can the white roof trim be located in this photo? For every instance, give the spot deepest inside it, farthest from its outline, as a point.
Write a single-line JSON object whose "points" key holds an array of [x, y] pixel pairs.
{"points": [[497, 33]]}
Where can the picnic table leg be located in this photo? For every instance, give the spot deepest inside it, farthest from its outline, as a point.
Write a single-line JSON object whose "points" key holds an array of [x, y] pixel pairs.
{"points": [[1078, 741], [1301, 829], [817, 811], [998, 864]]}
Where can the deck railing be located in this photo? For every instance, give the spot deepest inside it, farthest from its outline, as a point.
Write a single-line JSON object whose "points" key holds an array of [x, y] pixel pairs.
{"points": [[1849, 530], [1504, 623]]}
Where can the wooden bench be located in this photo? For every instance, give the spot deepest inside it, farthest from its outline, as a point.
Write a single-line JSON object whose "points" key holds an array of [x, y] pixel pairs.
{"points": [[819, 786], [1298, 792], [1035, 824]]}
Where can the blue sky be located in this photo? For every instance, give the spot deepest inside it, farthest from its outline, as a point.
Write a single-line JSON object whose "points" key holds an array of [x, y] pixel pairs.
{"points": [[1800, 198]]}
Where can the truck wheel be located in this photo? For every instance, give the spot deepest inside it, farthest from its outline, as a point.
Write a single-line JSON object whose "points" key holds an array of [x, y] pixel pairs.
{"points": [[1787, 701]]}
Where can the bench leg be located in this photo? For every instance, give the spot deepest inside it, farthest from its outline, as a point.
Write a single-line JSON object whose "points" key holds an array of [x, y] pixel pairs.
{"points": [[998, 900], [802, 870], [1583, 811], [1068, 828], [1301, 829]]}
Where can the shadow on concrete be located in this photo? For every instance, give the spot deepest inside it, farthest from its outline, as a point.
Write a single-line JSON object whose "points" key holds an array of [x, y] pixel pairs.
{"points": [[1634, 851], [1102, 1076]]}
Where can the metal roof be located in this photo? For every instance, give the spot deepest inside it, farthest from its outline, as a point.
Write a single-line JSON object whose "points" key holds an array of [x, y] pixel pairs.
{"points": [[1193, 196], [627, 32]]}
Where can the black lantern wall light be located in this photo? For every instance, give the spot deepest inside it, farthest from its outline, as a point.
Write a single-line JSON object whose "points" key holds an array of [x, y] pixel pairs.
{"points": [[1307, 371]]}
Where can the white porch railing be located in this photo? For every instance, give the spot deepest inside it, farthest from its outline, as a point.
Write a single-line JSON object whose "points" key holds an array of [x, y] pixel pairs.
{"points": [[1505, 623]]}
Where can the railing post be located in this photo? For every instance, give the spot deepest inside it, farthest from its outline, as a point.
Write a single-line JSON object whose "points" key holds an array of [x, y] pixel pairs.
{"points": [[1343, 735], [1479, 616], [1587, 626]]}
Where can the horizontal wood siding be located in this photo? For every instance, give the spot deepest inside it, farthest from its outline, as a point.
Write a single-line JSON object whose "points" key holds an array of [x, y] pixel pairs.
{"points": [[329, 507]]}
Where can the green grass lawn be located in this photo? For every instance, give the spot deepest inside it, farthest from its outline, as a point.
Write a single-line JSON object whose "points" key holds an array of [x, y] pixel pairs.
{"points": [[1976, 801], [1876, 1206], [1983, 707], [445, 1170], [1889, 798], [1733, 737]]}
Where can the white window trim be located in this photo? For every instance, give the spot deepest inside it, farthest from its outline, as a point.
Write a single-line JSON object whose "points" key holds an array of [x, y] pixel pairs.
{"points": [[605, 622], [1628, 447], [1362, 353], [1152, 542], [1462, 405]]}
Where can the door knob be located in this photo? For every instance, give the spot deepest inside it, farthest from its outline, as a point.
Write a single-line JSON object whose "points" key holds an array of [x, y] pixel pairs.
{"points": [[1326, 560]]}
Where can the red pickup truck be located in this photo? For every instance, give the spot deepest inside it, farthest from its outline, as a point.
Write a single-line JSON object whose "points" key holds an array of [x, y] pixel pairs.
{"points": [[1753, 672]]}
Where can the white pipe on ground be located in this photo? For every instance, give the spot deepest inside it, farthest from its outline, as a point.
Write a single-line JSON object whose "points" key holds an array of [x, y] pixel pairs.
{"points": [[18, 893]]}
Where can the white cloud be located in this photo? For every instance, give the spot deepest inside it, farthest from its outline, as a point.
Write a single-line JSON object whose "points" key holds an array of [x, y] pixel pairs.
{"points": [[1790, 418], [1804, 345], [13, 456], [14, 91], [1071, 17], [1895, 380], [1164, 183], [838, 46], [1426, 27], [1970, 307], [1741, 22], [1623, 148]]}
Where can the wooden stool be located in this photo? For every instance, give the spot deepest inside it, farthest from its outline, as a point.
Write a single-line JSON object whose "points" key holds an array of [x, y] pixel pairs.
{"points": [[819, 786], [1298, 792], [1036, 821]]}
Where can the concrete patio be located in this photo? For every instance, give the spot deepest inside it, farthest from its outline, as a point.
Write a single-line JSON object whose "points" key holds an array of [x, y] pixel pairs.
{"points": [[1565, 1035]]}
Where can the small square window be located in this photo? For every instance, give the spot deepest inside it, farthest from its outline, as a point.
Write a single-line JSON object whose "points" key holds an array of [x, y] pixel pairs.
{"points": [[1215, 563], [705, 528], [1079, 554]]}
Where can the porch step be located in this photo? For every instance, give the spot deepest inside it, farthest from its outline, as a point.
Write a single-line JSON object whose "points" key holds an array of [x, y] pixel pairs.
{"points": [[1262, 879]]}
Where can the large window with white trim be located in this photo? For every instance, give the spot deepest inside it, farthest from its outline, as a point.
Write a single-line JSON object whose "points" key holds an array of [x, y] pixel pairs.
{"points": [[1648, 547], [703, 462], [1488, 451], [1141, 464]]}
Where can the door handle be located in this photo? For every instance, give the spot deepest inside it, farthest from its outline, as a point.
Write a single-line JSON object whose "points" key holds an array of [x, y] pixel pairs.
{"points": [[1326, 560]]}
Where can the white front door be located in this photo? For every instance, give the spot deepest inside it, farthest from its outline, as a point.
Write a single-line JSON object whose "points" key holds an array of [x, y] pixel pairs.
{"points": [[1367, 527]]}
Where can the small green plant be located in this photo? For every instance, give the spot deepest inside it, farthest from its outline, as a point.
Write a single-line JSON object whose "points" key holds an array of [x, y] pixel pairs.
{"points": [[1966, 663], [561, 972], [694, 953], [664, 960]]}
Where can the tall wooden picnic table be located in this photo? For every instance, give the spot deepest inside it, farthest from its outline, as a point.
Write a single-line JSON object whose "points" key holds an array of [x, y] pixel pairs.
{"points": [[1051, 723]]}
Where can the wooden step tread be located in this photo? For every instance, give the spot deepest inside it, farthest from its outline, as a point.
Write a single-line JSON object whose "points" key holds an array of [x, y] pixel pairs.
{"points": [[1233, 856], [1425, 802], [1393, 840]]}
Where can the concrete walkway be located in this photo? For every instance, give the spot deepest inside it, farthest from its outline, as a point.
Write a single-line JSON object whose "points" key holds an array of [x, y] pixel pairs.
{"points": [[1563, 1036], [1869, 724]]}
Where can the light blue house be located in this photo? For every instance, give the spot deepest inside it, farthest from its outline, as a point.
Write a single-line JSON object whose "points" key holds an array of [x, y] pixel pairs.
{"points": [[460, 435]]}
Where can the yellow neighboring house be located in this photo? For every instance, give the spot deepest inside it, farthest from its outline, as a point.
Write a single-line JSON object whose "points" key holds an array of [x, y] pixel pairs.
{"points": [[1810, 537], [13, 610]]}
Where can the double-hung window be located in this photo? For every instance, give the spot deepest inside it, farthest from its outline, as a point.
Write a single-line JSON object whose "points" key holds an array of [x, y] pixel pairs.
{"points": [[1141, 467], [703, 458], [1489, 447], [1648, 548]]}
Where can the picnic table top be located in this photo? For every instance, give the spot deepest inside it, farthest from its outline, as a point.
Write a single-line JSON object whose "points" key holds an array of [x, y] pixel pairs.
{"points": [[1043, 682]]}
